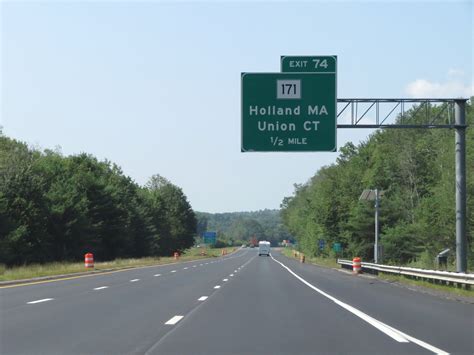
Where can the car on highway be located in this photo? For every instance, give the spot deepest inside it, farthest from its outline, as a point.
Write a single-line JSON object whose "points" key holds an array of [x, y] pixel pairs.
{"points": [[263, 248]]}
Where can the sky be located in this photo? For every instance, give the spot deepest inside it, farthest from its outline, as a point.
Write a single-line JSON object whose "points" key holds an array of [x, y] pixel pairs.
{"points": [[154, 86]]}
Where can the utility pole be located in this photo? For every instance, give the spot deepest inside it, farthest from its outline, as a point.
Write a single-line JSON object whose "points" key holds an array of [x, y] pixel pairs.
{"points": [[460, 148], [374, 195], [376, 246]]}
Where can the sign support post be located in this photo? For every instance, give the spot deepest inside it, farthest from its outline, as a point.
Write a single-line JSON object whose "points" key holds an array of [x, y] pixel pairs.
{"points": [[460, 148]]}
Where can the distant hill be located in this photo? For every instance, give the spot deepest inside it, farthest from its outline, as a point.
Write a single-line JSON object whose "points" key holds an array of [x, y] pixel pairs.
{"points": [[239, 227]]}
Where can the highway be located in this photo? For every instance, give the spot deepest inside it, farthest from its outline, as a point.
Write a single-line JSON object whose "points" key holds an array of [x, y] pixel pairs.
{"points": [[238, 304]]}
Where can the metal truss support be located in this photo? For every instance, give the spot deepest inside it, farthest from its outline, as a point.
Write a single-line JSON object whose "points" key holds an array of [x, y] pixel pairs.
{"points": [[392, 113]]}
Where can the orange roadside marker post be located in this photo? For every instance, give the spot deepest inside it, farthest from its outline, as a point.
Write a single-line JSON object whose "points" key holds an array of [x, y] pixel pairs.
{"points": [[89, 260], [356, 265]]}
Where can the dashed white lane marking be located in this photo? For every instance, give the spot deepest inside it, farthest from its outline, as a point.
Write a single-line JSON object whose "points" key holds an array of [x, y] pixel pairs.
{"points": [[388, 330], [185, 268], [174, 320], [203, 298], [225, 280], [173, 271], [156, 275], [100, 288], [134, 280], [200, 264], [40, 301], [235, 270], [194, 265], [231, 275], [217, 286]]}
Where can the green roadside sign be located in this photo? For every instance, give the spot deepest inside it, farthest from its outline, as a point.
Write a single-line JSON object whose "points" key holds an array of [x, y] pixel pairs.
{"points": [[288, 112], [309, 64], [337, 247]]}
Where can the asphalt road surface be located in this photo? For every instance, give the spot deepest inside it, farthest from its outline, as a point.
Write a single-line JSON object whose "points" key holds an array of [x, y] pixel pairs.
{"points": [[239, 304]]}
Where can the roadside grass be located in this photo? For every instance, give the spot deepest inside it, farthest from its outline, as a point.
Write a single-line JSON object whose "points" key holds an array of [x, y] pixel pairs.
{"points": [[331, 263], [62, 268], [439, 287], [327, 262]]}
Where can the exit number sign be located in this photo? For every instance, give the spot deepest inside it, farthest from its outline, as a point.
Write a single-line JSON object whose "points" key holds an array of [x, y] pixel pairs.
{"points": [[309, 64]]}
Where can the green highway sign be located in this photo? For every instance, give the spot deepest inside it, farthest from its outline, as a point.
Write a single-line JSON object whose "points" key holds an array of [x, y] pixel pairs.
{"points": [[288, 112], [337, 247], [309, 64]]}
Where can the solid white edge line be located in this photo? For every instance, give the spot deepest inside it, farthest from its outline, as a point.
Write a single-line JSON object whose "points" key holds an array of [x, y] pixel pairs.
{"points": [[203, 298], [218, 286], [40, 301], [100, 288], [174, 320], [134, 280], [420, 342], [391, 332]]}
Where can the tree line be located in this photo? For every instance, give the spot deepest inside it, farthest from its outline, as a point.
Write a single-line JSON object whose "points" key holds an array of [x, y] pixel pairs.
{"points": [[57, 208], [237, 228], [416, 170]]}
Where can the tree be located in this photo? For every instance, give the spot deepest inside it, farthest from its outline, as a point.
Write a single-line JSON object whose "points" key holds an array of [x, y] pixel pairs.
{"points": [[172, 214], [55, 208]]}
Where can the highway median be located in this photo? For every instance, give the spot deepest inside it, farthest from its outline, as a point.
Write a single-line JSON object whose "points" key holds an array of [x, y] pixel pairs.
{"points": [[63, 270]]}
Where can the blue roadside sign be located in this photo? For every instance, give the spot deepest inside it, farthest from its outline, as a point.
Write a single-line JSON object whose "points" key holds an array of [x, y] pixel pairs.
{"points": [[209, 237], [322, 244]]}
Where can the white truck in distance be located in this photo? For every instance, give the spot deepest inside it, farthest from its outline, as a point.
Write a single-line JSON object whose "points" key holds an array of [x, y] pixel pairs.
{"points": [[263, 248]]}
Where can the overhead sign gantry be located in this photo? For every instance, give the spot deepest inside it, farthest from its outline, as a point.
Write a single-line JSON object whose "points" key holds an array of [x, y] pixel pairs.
{"points": [[297, 111]]}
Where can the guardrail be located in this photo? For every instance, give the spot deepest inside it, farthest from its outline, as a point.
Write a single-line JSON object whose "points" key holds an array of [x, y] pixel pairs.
{"points": [[433, 275]]}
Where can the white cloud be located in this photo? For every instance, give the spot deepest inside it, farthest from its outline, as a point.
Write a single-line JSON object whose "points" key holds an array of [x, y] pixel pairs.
{"points": [[453, 72], [422, 88]]}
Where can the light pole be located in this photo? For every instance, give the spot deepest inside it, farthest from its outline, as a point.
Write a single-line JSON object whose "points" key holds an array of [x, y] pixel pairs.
{"points": [[374, 195], [376, 247]]}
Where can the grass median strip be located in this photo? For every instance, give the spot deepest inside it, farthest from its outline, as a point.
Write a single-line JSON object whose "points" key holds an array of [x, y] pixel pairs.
{"points": [[18, 273]]}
